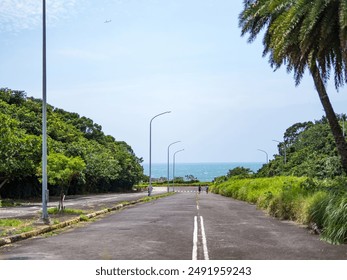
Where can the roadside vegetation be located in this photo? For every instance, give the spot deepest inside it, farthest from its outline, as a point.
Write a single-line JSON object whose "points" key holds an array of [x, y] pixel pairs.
{"points": [[304, 183], [319, 204], [81, 158], [14, 226]]}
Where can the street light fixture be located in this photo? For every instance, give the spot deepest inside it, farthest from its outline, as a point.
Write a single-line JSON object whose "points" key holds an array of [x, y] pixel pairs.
{"points": [[45, 218], [150, 148], [284, 149], [173, 171], [267, 157], [168, 165]]}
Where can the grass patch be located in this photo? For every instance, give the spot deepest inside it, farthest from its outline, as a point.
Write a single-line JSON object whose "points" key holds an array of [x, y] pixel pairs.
{"points": [[14, 226], [10, 222], [24, 229], [69, 211], [84, 218]]}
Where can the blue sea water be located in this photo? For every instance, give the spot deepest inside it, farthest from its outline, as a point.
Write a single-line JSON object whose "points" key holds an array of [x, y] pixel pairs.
{"points": [[204, 172]]}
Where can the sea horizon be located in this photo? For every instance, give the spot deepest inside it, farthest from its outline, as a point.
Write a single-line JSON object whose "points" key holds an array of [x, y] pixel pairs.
{"points": [[203, 171]]}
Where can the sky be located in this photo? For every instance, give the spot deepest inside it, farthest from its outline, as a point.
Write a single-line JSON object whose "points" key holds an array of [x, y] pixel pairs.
{"points": [[122, 62]]}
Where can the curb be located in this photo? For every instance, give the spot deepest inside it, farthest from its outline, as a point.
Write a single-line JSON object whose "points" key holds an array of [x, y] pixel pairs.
{"points": [[22, 236]]}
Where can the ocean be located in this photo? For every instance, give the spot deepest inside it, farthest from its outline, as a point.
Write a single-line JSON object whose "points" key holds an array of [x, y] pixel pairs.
{"points": [[204, 172]]}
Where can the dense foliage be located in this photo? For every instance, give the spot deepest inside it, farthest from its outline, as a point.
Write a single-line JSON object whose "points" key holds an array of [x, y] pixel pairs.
{"points": [[308, 149], [81, 158]]}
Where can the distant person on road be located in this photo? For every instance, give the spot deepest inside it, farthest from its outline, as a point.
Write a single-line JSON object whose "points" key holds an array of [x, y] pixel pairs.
{"points": [[199, 189], [206, 189]]}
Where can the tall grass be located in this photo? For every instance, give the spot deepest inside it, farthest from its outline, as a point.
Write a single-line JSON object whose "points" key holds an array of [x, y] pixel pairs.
{"points": [[295, 198], [335, 220]]}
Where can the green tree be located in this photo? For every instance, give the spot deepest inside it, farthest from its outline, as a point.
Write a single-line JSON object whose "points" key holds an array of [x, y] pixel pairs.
{"points": [[304, 34], [17, 150], [81, 157], [62, 170], [239, 171], [311, 152]]}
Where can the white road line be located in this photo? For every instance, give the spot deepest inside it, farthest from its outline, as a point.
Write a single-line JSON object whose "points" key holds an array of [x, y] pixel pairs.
{"points": [[195, 239], [204, 243]]}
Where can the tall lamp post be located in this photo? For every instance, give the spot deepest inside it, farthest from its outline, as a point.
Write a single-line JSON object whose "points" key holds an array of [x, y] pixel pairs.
{"points": [[150, 147], [284, 149], [267, 157], [45, 217], [168, 165], [173, 171]]}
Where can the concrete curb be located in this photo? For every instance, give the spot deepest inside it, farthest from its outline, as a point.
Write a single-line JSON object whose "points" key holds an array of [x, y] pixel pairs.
{"points": [[22, 236]]}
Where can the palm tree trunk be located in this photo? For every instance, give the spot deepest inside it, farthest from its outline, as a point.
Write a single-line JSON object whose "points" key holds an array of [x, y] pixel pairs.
{"points": [[331, 116]]}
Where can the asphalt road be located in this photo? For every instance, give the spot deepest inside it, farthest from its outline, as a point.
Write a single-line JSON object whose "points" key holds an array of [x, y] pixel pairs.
{"points": [[184, 226], [99, 201]]}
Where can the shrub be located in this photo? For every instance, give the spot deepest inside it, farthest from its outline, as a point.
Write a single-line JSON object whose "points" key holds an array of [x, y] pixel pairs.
{"points": [[335, 220], [316, 208]]}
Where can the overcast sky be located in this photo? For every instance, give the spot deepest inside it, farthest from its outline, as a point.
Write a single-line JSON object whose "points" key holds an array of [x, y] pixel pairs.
{"points": [[184, 56]]}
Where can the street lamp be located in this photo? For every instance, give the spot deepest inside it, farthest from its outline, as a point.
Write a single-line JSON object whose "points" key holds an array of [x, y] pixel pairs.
{"points": [[267, 157], [173, 171], [284, 149], [168, 165], [150, 147], [45, 217]]}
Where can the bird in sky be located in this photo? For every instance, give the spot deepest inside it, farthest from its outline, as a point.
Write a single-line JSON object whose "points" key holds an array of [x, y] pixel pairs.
{"points": [[108, 21]]}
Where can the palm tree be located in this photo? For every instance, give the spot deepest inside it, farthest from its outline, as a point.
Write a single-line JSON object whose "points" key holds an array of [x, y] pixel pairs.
{"points": [[304, 34]]}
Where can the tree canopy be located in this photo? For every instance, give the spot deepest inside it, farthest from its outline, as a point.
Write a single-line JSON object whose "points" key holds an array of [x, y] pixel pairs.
{"points": [[310, 151], [81, 158]]}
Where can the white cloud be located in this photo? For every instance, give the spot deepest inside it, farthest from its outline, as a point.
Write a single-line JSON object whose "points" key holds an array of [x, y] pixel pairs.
{"points": [[16, 15]]}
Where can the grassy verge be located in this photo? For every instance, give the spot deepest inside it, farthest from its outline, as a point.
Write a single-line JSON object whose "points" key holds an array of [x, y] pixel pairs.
{"points": [[14, 226], [322, 205], [67, 211]]}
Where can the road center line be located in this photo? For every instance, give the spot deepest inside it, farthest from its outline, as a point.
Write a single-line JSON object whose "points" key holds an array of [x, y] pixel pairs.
{"points": [[195, 239], [204, 242]]}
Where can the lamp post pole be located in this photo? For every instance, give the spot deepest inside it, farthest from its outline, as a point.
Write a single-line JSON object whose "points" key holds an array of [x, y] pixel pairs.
{"points": [[168, 165], [150, 149], [45, 218], [284, 149], [173, 171], [267, 157]]}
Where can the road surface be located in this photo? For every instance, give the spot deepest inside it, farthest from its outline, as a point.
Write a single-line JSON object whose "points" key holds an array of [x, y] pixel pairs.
{"points": [[184, 226], [100, 201]]}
